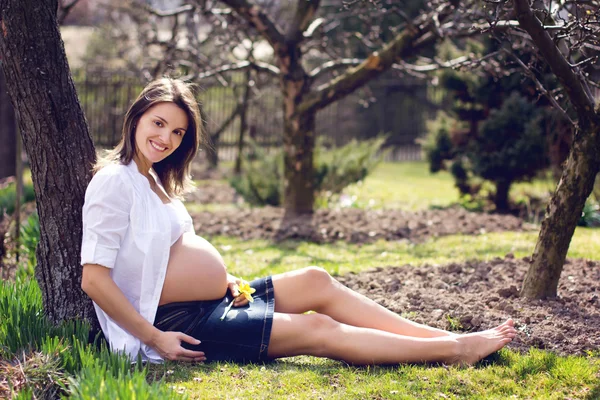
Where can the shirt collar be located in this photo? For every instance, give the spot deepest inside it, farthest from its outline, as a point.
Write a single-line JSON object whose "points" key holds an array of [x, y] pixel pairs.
{"points": [[134, 168]]}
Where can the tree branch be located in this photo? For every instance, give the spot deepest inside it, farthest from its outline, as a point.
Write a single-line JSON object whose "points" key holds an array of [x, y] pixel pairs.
{"points": [[217, 133], [539, 85], [257, 65], [333, 65], [374, 65], [457, 62], [64, 10], [304, 13], [583, 104], [256, 17], [171, 13]]}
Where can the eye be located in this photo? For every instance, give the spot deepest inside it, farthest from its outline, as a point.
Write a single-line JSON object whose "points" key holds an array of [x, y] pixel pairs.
{"points": [[178, 133], [158, 123]]}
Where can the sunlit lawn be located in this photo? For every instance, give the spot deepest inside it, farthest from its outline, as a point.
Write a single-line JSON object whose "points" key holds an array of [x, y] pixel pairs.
{"points": [[409, 186], [538, 375], [260, 257]]}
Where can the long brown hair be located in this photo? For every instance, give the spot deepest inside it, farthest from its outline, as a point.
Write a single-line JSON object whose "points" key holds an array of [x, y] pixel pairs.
{"points": [[174, 170]]}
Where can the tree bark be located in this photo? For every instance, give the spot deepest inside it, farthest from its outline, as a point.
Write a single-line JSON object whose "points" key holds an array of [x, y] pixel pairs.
{"points": [[8, 132], [578, 175], [57, 141], [562, 214], [298, 136], [299, 144], [501, 197]]}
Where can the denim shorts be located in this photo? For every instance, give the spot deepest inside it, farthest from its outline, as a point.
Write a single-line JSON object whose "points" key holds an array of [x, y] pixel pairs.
{"points": [[243, 336]]}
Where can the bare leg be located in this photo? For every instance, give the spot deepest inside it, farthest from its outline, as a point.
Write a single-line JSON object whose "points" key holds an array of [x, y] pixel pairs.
{"points": [[321, 336], [314, 289]]}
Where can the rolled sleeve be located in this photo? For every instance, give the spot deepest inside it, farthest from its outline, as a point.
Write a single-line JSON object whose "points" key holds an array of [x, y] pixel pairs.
{"points": [[105, 218]]}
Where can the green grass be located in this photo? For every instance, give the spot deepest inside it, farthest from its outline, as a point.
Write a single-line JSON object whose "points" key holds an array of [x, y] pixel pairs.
{"points": [[407, 186], [537, 375], [260, 257]]}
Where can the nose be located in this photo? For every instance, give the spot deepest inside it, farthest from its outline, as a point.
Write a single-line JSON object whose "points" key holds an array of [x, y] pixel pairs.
{"points": [[165, 135]]}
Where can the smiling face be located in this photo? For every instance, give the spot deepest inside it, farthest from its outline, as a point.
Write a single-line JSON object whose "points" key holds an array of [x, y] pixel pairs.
{"points": [[159, 133]]}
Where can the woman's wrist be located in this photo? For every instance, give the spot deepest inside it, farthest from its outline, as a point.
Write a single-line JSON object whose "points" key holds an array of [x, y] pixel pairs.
{"points": [[151, 338]]}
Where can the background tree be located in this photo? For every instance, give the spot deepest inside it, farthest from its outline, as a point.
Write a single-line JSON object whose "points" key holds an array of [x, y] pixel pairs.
{"points": [[494, 127], [8, 132], [57, 143], [565, 36], [318, 55]]}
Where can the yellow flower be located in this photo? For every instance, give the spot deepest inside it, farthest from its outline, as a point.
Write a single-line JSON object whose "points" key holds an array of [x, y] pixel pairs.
{"points": [[246, 291]]}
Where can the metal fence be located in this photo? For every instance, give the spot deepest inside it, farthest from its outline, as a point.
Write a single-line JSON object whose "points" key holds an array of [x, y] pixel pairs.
{"points": [[397, 109]]}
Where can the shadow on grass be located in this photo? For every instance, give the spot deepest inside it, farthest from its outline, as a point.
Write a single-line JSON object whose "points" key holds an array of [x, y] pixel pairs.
{"points": [[176, 373]]}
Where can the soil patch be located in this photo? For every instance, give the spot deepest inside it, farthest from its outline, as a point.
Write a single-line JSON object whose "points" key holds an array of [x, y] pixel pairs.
{"points": [[214, 192], [351, 224], [478, 295]]}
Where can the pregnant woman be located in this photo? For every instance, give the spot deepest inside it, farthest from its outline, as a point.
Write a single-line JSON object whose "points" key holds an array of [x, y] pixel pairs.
{"points": [[161, 292]]}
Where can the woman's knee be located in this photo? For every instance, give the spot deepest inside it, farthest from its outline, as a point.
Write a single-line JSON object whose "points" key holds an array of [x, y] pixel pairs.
{"points": [[323, 330], [317, 277]]}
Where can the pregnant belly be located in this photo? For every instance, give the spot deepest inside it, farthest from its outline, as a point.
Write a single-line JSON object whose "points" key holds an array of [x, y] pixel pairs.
{"points": [[196, 271]]}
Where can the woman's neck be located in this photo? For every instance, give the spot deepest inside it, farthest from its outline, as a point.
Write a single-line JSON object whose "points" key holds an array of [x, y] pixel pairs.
{"points": [[143, 166]]}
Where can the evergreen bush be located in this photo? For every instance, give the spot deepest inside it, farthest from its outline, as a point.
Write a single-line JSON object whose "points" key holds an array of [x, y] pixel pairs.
{"points": [[8, 196], [261, 181], [494, 129]]}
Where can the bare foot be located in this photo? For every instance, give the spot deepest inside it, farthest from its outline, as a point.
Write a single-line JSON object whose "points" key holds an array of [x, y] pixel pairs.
{"points": [[475, 346]]}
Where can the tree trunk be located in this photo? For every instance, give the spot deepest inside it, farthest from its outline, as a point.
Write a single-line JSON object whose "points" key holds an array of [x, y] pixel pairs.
{"points": [[243, 123], [298, 136], [58, 144], [562, 214], [8, 132], [501, 197], [299, 144]]}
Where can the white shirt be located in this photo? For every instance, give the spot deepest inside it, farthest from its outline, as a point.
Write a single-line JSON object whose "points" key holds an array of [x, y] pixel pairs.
{"points": [[178, 216], [127, 228]]}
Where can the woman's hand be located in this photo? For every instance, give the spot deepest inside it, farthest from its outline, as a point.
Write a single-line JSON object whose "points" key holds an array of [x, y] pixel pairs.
{"points": [[233, 284], [168, 345]]}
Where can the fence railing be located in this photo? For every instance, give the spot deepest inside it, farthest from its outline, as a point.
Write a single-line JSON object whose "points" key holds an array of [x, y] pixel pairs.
{"points": [[397, 110]]}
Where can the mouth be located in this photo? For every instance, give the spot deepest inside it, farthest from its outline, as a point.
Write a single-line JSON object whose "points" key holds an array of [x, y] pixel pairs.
{"points": [[157, 147]]}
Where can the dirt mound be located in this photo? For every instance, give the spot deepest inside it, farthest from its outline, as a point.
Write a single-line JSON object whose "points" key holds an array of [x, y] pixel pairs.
{"points": [[214, 192], [478, 295], [351, 224]]}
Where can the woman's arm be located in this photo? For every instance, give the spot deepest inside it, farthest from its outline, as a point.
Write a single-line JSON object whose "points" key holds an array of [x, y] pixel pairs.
{"points": [[98, 284]]}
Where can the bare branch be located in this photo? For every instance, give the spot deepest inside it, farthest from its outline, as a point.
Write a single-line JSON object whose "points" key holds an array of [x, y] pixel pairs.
{"points": [[256, 17], [457, 62], [171, 13], [257, 65], [64, 9], [333, 65], [583, 104], [313, 27], [539, 85], [304, 13]]}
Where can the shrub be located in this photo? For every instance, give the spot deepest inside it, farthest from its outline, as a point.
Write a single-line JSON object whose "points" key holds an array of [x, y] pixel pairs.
{"points": [[493, 129], [261, 182], [508, 146], [590, 216], [8, 196], [58, 359], [29, 237]]}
